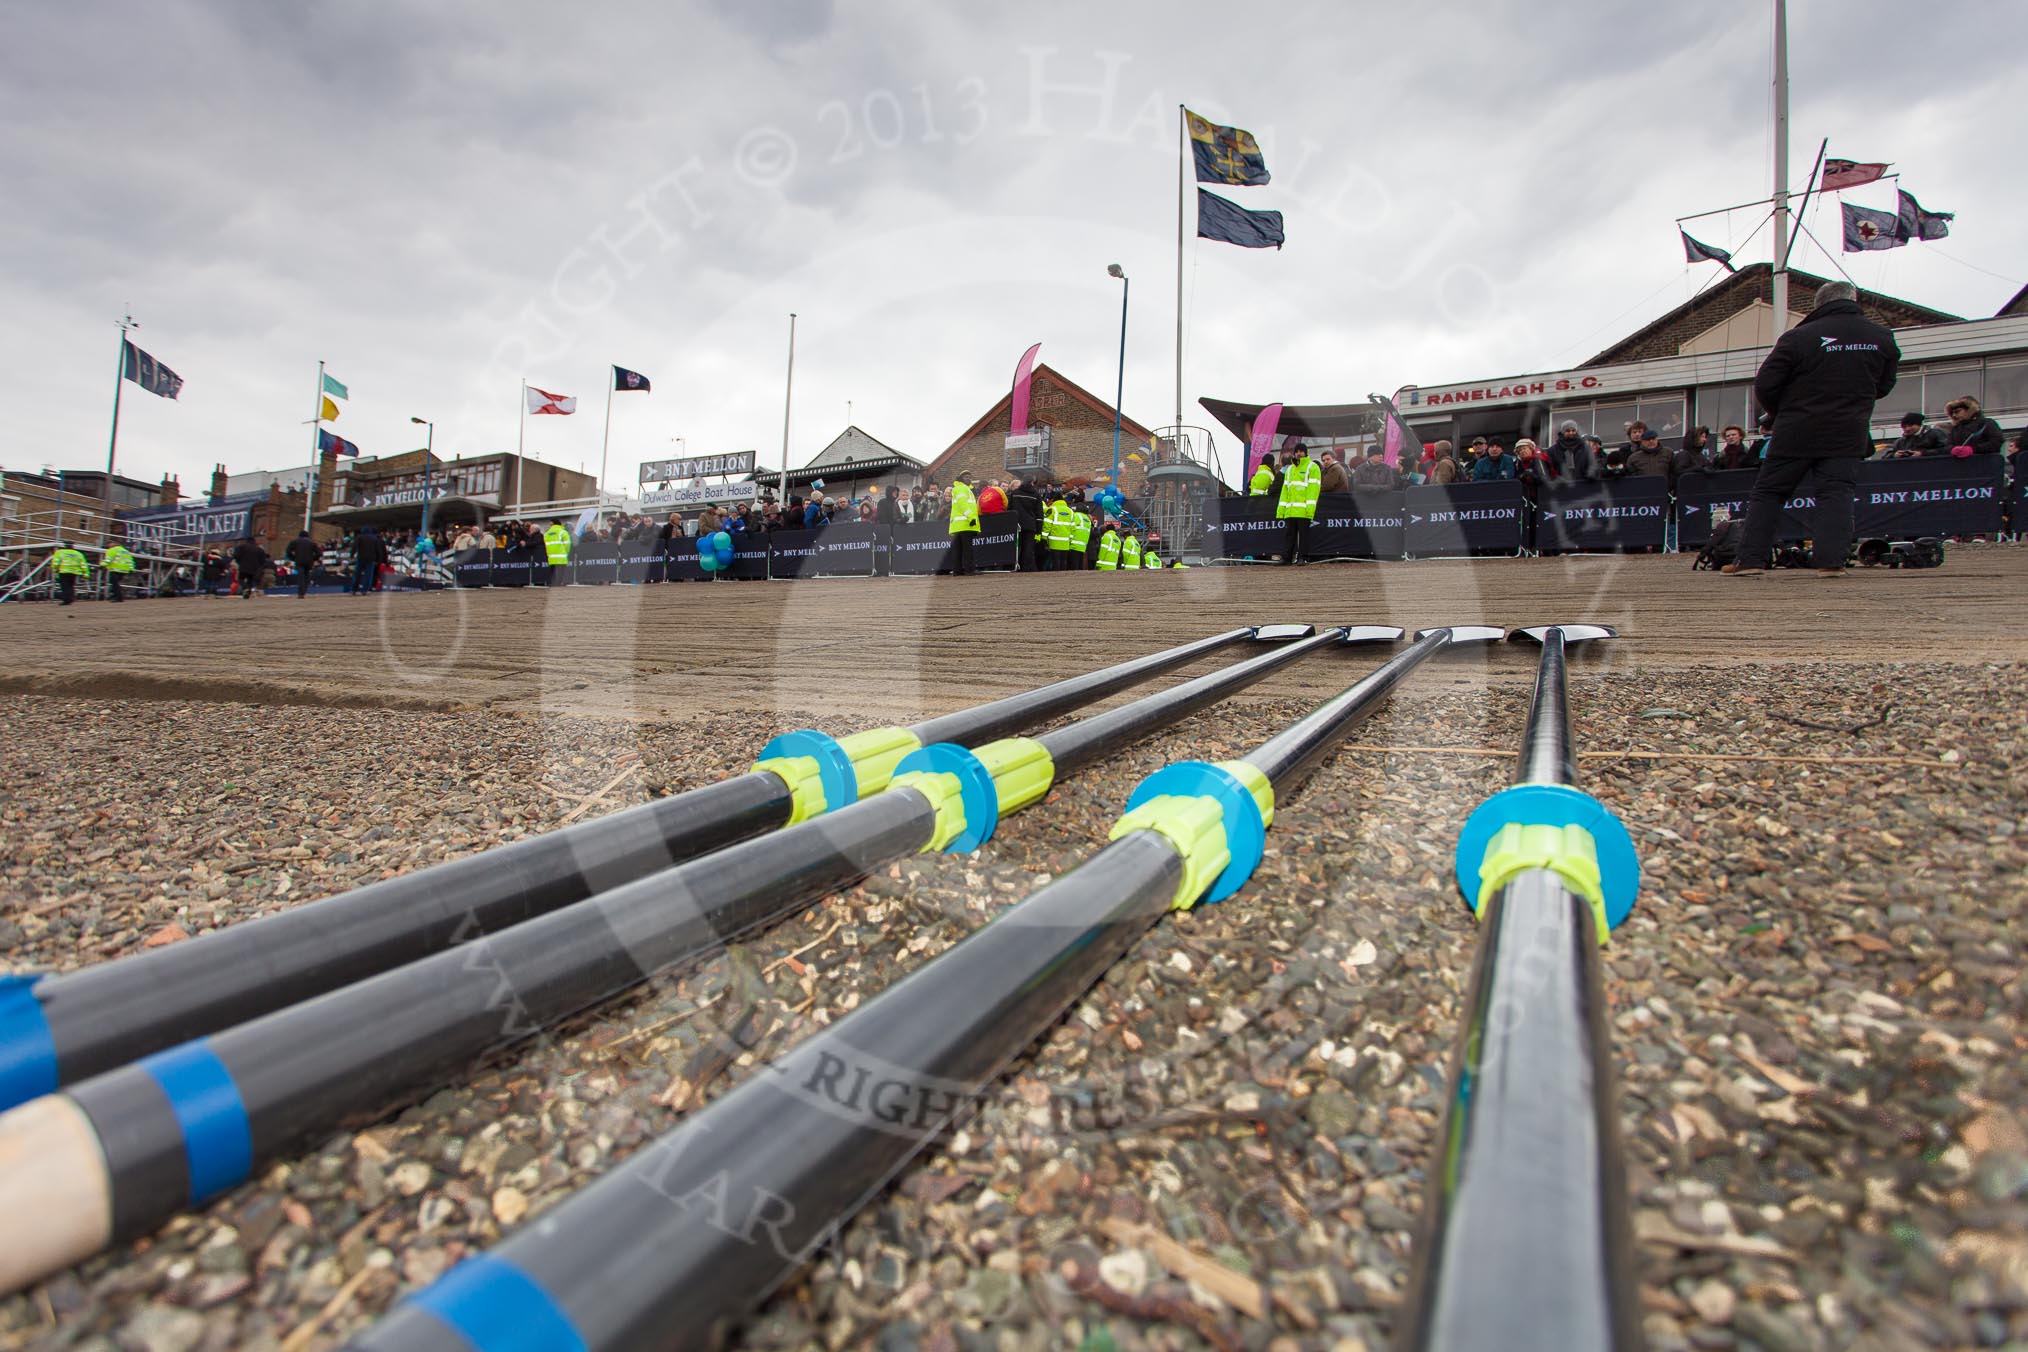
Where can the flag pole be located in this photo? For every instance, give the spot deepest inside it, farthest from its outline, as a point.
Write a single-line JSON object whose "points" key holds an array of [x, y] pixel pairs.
{"points": [[520, 445], [316, 448], [1802, 210], [1781, 167], [1182, 188], [606, 441], [119, 374], [787, 394]]}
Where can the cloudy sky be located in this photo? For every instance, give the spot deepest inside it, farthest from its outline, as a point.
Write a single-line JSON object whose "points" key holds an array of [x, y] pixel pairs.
{"points": [[440, 200]]}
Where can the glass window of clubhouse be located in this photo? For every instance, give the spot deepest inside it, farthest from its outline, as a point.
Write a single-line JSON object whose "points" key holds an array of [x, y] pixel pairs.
{"points": [[1985, 359]]}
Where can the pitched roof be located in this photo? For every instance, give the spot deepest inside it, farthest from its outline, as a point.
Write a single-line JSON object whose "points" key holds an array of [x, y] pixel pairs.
{"points": [[1665, 335], [2016, 306], [858, 438], [1128, 427]]}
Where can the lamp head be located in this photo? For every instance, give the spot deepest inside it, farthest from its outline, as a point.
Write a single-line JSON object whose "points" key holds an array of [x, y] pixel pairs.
{"points": [[1115, 270]]}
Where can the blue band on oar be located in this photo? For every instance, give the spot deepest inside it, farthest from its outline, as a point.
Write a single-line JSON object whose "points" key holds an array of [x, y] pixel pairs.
{"points": [[1245, 831], [27, 1052], [496, 1307], [975, 790], [217, 1138], [1619, 864], [834, 764]]}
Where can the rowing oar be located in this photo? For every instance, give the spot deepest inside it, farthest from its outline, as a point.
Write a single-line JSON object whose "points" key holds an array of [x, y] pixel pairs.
{"points": [[1526, 1243], [121, 1152], [55, 1030], [702, 1223]]}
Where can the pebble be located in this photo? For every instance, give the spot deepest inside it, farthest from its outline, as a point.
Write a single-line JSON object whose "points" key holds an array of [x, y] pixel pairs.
{"points": [[1324, 1000]]}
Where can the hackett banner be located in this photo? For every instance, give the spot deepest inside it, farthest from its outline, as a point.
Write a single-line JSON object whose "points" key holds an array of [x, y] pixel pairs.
{"points": [[1604, 517], [696, 467], [1448, 520]]}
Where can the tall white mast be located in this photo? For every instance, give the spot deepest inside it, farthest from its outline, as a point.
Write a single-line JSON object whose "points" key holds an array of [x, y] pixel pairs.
{"points": [[1781, 166]]}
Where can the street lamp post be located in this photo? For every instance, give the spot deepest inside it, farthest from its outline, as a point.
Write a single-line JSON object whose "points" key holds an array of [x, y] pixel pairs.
{"points": [[1120, 390], [429, 444]]}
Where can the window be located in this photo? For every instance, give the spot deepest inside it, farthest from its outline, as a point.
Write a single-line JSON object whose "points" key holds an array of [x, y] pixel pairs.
{"points": [[1664, 416], [1940, 385], [1719, 405], [2006, 385]]}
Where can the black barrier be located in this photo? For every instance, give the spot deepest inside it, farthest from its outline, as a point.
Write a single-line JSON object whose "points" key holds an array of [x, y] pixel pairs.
{"points": [[1358, 526], [1933, 495], [1240, 528], [512, 568], [472, 567], [1896, 499], [843, 549], [641, 561], [1447, 520], [922, 548], [594, 565], [1620, 514]]}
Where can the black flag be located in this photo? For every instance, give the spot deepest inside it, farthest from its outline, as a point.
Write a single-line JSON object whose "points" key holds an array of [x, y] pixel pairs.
{"points": [[623, 379], [1697, 251], [1917, 223], [1234, 224], [149, 374]]}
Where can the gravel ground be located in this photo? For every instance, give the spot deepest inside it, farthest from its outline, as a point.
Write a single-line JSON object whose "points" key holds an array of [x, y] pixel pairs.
{"points": [[1818, 1012]]}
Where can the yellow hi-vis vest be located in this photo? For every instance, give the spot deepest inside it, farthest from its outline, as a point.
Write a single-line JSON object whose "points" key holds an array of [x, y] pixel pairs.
{"points": [[69, 562], [1150, 559], [1263, 480], [1302, 483], [1056, 525], [1109, 551], [556, 544], [1080, 530], [117, 560], [964, 509], [1130, 552]]}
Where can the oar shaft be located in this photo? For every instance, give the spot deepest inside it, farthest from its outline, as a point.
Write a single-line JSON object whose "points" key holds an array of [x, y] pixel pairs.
{"points": [[692, 1230], [77, 1025], [107, 1015], [1090, 739], [1293, 753], [1547, 754], [1527, 1244], [302, 1069], [1005, 717]]}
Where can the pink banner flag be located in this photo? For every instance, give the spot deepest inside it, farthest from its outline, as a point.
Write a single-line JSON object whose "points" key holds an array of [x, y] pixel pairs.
{"points": [[1024, 377], [1264, 424]]}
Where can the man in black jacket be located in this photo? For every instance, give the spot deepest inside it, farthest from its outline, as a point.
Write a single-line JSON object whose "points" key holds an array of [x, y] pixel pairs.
{"points": [[1571, 457], [369, 551], [305, 554], [1026, 501], [1820, 382], [252, 562], [884, 517]]}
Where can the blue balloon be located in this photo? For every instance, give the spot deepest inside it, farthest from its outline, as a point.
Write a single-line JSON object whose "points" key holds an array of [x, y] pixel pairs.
{"points": [[707, 555], [721, 543]]}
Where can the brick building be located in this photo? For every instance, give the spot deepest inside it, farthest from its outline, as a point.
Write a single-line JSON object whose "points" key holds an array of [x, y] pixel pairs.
{"points": [[1081, 436], [1694, 366], [1739, 312]]}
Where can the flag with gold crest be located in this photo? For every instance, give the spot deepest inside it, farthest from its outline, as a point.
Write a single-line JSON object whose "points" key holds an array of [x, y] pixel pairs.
{"points": [[1225, 154]]}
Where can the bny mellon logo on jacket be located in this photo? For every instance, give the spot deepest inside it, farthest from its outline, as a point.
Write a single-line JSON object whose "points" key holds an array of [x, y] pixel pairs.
{"points": [[1831, 344]]}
